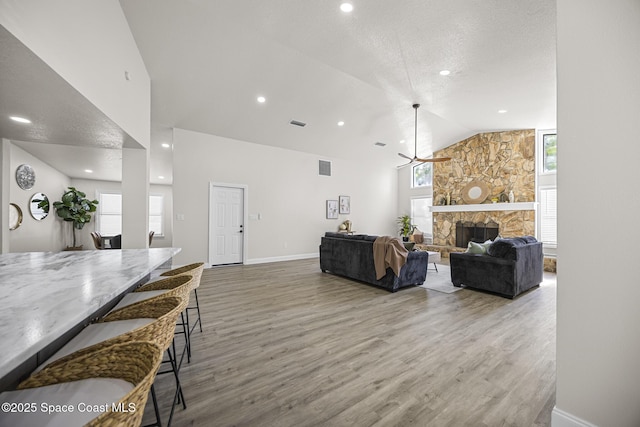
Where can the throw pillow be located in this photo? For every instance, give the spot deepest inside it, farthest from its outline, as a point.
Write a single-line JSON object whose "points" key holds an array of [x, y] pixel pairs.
{"points": [[478, 248], [475, 248]]}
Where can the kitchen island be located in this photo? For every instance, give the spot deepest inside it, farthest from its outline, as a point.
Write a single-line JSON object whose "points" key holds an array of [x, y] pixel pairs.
{"points": [[47, 297]]}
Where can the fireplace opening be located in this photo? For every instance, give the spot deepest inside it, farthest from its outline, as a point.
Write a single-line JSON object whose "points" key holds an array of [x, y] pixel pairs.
{"points": [[479, 232]]}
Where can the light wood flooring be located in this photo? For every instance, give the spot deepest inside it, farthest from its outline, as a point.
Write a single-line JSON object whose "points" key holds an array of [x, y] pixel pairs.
{"points": [[287, 345]]}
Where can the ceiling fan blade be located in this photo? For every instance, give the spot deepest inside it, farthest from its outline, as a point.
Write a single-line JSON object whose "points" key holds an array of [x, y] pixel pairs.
{"points": [[405, 156], [433, 160], [405, 164]]}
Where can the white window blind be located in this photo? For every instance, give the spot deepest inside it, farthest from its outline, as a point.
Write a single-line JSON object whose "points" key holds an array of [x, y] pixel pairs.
{"points": [[109, 217], [110, 214], [548, 216], [421, 216], [156, 204]]}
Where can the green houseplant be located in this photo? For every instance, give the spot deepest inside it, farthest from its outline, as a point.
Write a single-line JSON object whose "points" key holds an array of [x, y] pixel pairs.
{"points": [[406, 228], [75, 208]]}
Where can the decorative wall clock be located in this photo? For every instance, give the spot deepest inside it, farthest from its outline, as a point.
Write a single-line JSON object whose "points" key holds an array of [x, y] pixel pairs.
{"points": [[26, 177]]}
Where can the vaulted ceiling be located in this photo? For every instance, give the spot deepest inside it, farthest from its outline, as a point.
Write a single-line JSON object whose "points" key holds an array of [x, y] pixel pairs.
{"points": [[210, 60]]}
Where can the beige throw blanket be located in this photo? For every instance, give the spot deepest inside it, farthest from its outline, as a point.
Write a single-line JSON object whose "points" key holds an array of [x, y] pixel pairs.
{"points": [[388, 252]]}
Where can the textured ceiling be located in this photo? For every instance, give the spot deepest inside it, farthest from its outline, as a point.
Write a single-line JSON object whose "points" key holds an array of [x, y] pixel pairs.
{"points": [[209, 60], [67, 131]]}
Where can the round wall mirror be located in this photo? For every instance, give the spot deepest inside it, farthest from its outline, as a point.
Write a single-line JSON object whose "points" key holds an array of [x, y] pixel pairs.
{"points": [[15, 216], [39, 206]]}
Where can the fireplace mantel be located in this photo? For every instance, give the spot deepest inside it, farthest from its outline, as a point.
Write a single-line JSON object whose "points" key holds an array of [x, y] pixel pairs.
{"points": [[485, 207]]}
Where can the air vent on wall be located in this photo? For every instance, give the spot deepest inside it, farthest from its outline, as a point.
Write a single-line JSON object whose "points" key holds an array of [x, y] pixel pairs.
{"points": [[324, 168], [297, 123]]}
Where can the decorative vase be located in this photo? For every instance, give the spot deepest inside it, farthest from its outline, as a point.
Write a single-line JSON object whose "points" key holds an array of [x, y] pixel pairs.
{"points": [[511, 197]]}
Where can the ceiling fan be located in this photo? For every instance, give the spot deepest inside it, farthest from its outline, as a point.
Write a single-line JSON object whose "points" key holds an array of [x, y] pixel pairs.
{"points": [[415, 152]]}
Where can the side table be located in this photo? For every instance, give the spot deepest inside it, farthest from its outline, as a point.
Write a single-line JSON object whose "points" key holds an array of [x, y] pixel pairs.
{"points": [[434, 257]]}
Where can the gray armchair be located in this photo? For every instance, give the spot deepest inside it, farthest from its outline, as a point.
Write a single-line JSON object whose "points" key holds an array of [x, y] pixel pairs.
{"points": [[510, 267]]}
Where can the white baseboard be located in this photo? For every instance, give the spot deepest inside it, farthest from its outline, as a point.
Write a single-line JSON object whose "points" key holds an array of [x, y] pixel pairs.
{"points": [[560, 418], [282, 258]]}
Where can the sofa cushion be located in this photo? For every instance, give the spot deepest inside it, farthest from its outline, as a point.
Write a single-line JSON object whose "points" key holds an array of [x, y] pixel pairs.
{"points": [[333, 234], [502, 248], [337, 235]]}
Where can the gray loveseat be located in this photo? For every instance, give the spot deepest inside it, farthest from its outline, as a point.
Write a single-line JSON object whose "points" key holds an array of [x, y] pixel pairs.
{"points": [[510, 267], [352, 257]]}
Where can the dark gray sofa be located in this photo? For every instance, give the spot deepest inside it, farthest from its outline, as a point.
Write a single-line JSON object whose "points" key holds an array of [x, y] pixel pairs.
{"points": [[510, 267], [352, 257]]}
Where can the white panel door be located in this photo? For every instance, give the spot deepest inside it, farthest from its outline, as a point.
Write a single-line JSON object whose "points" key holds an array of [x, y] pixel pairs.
{"points": [[226, 226]]}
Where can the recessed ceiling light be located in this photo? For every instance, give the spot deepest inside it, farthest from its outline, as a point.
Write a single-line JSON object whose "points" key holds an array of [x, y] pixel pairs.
{"points": [[340, 123], [19, 119], [346, 7], [165, 145], [88, 171], [445, 72], [161, 177], [262, 99], [402, 141], [502, 111]]}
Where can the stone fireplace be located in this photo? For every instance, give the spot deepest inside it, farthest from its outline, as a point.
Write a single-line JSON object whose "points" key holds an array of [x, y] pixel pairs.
{"points": [[467, 231], [504, 162]]}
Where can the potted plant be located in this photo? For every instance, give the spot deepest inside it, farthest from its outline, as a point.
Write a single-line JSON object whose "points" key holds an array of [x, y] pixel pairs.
{"points": [[406, 228], [75, 208]]}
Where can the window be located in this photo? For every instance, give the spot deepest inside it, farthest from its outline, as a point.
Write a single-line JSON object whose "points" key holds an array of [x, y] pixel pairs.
{"points": [[549, 152], [422, 175], [156, 204], [548, 216], [422, 216], [109, 216]]}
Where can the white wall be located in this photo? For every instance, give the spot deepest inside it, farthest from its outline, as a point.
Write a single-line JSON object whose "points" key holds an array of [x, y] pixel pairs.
{"points": [[49, 234], [598, 343], [283, 186], [90, 45]]}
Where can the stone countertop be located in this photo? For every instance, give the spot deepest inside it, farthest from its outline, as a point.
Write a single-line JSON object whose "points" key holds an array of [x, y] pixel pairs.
{"points": [[45, 294]]}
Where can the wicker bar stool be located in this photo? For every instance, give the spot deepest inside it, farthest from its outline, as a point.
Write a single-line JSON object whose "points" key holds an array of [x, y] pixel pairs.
{"points": [[107, 388], [171, 286], [153, 319], [194, 270], [178, 285]]}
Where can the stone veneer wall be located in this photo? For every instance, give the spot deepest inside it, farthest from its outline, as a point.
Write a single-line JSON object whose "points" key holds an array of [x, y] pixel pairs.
{"points": [[504, 161]]}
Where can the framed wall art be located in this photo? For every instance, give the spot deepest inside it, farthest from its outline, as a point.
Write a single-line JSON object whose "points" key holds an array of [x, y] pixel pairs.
{"points": [[345, 204], [332, 209]]}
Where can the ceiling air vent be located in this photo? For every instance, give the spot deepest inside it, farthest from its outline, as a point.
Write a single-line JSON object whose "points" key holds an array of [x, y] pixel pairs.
{"points": [[297, 123], [380, 144], [324, 168]]}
